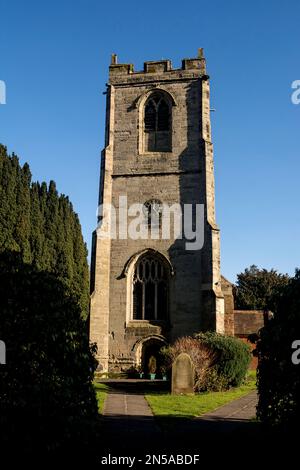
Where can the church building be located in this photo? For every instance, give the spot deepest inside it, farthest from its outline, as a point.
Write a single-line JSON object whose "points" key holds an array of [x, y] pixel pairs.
{"points": [[148, 291]]}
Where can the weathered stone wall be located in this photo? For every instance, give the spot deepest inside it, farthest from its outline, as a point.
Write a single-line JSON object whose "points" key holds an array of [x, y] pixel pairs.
{"points": [[183, 175], [227, 290], [247, 322]]}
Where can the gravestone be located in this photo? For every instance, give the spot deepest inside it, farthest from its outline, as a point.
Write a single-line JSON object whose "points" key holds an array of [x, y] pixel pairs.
{"points": [[2, 353], [182, 375]]}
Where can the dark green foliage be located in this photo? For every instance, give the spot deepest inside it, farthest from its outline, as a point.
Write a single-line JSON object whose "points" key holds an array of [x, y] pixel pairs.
{"points": [[9, 186], [41, 225], [278, 377], [220, 361], [46, 393], [232, 360], [256, 288]]}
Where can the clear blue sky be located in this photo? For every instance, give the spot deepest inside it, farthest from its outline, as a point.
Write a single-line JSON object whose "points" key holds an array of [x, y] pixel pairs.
{"points": [[54, 59]]}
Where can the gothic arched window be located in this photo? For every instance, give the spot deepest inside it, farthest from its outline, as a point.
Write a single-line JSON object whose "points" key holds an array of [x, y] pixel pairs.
{"points": [[150, 289], [157, 123], [152, 210]]}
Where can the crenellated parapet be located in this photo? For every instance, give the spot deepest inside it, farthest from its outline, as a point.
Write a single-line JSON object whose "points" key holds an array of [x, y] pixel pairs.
{"points": [[189, 68]]}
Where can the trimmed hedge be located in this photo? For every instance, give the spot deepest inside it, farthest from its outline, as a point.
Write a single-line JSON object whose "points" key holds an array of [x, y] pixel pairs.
{"points": [[278, 375]]}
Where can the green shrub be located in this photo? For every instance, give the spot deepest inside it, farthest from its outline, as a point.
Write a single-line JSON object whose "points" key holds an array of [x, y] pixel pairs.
{"points": [[220, 361], [278, 376], [212, 381], [231, 363]]}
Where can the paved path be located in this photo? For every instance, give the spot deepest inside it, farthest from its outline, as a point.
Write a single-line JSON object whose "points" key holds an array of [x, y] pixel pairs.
{"points": [[128, 419], [233, 417], [240, 410], [127, 406]]}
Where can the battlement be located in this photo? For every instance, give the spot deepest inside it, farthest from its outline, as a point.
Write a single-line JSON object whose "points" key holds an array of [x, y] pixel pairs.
{"points": [[123, 71]]}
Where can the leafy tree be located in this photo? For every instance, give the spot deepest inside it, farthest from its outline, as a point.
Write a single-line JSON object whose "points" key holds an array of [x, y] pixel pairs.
{"points": [[41, 225], [278, 376], [47, 400], [256, 288]]}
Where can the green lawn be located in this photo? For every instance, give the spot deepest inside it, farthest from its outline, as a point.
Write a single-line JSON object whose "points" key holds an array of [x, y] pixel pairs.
{"points": [[189, 406], [101, 391]]}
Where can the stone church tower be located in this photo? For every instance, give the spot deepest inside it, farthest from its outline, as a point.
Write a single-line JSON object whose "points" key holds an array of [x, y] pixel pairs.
{"points": [[146, 292]]}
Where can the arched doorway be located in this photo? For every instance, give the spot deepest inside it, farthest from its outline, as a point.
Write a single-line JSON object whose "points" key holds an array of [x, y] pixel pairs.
{"points": [[150, 347]]}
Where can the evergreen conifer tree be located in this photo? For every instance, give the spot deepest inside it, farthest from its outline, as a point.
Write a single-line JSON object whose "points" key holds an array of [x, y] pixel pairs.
{"points": [[41, 225]]}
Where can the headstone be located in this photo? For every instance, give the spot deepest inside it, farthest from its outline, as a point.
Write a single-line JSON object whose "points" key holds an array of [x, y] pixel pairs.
{"points": [[182, 375], [2, 353]]}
